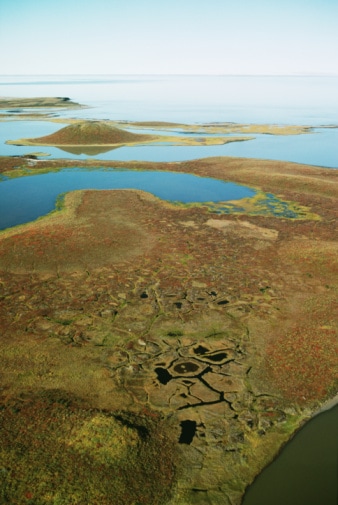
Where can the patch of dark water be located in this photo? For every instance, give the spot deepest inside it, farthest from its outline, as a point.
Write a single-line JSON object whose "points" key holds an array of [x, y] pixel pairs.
{"points": [[217, 357], [186, 367], [188, 432], [200, 350], [163, 375], [306, 470]]}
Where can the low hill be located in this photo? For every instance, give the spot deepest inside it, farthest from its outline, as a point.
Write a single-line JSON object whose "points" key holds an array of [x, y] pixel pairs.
{"points": [[90, 133]]}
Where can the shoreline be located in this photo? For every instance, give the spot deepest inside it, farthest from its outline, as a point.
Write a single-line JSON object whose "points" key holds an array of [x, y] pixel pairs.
{"points": [[327, 405]]}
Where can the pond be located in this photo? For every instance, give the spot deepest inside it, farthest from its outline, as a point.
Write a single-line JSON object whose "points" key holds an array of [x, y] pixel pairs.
{"points": [[306, 471], [26, 198]]}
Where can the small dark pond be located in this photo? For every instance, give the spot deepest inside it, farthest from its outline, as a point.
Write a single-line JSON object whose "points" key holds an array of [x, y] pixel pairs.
{"points": [[26, 198], [188, 430], [186, 367], [306, 471]]}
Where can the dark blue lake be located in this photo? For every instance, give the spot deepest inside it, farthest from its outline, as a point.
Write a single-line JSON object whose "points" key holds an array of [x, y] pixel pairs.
{"points": [[27, 198]]}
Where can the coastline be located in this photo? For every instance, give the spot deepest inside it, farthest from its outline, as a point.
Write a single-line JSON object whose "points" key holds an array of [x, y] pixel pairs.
{"points": [[240, 326], [327, 405]]}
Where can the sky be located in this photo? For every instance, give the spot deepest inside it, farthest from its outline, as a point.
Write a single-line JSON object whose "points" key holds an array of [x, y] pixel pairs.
{"points": [[168, 37]]}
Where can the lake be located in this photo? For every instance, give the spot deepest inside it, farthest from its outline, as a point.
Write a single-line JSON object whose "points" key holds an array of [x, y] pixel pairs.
{"points": [[24, 199]]}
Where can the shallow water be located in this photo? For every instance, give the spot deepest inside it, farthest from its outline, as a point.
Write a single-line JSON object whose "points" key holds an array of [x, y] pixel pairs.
{"points": [[192, 99], [317, 148], [311, 100]]}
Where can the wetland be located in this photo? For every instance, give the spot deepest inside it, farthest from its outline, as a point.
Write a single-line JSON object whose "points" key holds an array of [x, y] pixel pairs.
{"points": [[181, 344]]}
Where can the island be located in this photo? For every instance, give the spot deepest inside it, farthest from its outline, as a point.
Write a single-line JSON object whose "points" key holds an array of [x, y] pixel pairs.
{"points": [[92, 137], [174, 343]]}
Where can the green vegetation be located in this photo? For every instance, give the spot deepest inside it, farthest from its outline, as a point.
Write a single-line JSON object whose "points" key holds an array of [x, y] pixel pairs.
{"points": [[55, 451]]}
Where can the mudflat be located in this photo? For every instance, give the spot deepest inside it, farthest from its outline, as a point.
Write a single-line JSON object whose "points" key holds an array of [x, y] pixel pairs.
{"points": [[177, 344]]}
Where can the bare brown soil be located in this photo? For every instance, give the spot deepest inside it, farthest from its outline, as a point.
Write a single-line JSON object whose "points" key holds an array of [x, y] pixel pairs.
{"points": [[227, 322]]}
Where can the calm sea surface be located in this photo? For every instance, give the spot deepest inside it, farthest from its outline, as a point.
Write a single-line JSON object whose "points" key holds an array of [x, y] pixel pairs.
{"points": [[191, 99]]}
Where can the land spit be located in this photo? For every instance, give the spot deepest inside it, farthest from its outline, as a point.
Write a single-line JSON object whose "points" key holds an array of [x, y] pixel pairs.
{"points": [[174, 345]]}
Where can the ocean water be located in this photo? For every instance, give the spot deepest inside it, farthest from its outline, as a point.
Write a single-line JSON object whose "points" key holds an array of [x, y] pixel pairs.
{"points": [[301, 100], [254, 99]]}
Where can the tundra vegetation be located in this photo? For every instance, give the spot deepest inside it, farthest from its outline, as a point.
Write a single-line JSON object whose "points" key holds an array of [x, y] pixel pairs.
{"points": [[155, 353]]}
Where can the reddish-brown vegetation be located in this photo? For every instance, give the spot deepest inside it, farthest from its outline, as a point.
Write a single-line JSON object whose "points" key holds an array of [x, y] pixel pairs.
{"points": [[83, 290], [302, 362]]}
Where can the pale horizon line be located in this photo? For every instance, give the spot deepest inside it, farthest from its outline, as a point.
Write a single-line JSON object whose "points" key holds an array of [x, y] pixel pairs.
{"points": [[295, 74]]}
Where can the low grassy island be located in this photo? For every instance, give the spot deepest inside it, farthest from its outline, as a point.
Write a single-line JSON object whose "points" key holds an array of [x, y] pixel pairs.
{"points": [[221, 128], [98, 134]]}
